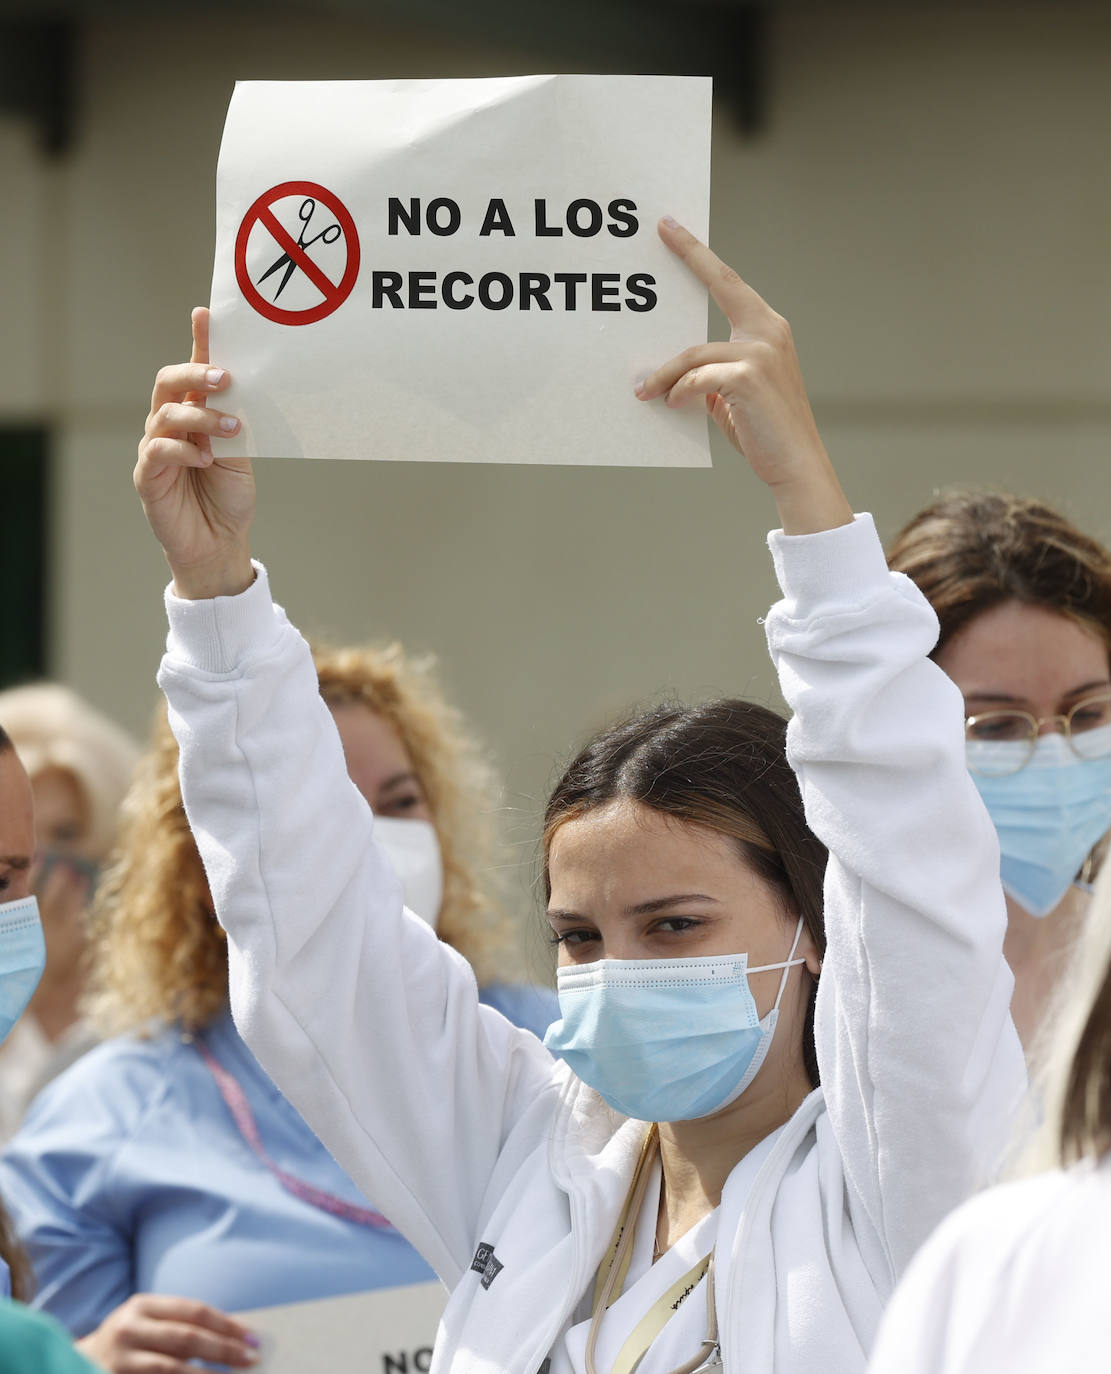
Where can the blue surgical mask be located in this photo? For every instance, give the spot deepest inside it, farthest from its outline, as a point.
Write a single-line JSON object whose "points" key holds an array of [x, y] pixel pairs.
{"points": [[22, 959], [665, 1039], [1049, 815]]}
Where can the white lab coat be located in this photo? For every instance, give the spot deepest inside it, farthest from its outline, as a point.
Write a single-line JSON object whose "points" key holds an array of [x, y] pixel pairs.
{"points": [[1015, 1282]]}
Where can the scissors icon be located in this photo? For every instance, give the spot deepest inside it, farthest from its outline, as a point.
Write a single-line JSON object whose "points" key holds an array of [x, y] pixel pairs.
{"points": [[329, 235]]}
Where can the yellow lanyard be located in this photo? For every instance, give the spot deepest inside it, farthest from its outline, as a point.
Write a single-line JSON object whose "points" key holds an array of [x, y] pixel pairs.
{"points": [[614, 1270]]}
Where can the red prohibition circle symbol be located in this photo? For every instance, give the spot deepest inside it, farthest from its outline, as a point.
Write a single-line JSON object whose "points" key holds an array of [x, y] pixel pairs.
{"points": [[293, 255]]}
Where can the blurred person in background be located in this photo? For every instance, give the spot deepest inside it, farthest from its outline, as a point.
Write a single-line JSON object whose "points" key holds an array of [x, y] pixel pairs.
{"points": [[28, 1341], [164, 1179], [1024, 603], [1015, 1281], [79, 763]]}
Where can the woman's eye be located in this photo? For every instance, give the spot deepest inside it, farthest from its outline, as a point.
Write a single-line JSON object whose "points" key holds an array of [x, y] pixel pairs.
{"points": [[672, 925], [573, 938], [998, 728]]}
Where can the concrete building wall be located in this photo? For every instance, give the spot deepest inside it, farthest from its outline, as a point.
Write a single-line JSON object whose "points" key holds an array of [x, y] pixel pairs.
{"points": [[929, 205]]}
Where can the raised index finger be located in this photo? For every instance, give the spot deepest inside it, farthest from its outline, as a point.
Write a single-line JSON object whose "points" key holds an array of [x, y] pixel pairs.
{"points": [[734, 295]]}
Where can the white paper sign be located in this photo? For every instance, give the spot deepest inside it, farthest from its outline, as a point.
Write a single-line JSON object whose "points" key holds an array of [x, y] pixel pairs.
{"points": [[459, 270], [387, 1331]]}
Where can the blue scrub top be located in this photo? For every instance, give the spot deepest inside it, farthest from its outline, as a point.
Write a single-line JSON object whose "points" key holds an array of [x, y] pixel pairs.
{"points": [[130, 1176]]}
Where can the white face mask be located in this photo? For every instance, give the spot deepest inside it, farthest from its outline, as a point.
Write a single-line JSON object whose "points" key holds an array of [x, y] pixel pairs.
{"points": [[414, 850]]}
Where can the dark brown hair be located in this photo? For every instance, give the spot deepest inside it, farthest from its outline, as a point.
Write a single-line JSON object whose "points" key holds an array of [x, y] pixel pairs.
{"points": [[970, 551], [721, 765], [15, 1257]]}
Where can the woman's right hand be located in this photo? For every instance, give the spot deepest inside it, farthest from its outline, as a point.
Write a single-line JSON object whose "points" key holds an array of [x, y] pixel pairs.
{"points": [[199, 508], [151, 1334]]}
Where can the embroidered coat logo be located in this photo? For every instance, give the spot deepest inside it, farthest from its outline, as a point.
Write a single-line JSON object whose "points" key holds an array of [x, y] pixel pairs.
{"points": [[486, 1264]]}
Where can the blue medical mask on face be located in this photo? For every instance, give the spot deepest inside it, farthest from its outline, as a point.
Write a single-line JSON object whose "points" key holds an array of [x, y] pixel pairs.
{"points": [[1048, 815], [22, 959], [665, 1039]]}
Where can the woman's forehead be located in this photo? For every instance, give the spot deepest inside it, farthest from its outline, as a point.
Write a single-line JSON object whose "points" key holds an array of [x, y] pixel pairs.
{"points": [[627, 844]]}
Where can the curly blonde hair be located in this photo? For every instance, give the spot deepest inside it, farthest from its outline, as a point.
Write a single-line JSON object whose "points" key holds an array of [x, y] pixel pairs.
{"points": [[157, 954]]}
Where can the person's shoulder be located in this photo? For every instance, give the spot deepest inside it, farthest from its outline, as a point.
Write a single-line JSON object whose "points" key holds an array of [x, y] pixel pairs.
{"points": [[528, 1005], [121, 1079], [1002, 1216], [965, 1302], [997, 1235], [32, 1340]]}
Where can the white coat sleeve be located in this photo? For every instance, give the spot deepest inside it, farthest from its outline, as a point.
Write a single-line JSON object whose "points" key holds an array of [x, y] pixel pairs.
{"points": [[920, 1064], [370, 1025]]}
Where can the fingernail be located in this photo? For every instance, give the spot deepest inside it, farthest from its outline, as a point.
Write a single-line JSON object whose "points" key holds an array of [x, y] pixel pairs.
{"points": [[638, 386], [206, 456], [229, 424], [252, 1340], [671, 223], [214, 376]]}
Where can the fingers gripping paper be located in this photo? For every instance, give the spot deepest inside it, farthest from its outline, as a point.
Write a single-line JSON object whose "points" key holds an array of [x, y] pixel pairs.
{"points": [[459, 270]]}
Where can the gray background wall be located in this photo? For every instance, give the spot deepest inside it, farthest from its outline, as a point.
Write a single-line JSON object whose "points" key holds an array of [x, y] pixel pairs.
{"points": [[928, 203]]}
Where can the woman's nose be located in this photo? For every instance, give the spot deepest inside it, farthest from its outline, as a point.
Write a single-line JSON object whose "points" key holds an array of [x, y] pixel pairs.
{"points": [[618, 946]]}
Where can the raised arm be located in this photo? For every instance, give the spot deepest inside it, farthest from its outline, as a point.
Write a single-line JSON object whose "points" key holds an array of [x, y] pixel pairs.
{"points": [[369, 1024], [919, 1060]]}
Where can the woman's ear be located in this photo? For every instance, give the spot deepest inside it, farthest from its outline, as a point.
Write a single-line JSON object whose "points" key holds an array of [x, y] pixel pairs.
{"points": [[808, 950]]}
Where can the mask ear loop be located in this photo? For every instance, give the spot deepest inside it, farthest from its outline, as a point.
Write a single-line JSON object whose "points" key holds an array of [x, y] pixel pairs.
{"points": [[789, 963]]}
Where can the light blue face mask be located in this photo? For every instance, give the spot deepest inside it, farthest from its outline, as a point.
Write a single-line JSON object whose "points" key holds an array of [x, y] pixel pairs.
{"points": [[665, 1039], [1048, 816], [22, 959]]}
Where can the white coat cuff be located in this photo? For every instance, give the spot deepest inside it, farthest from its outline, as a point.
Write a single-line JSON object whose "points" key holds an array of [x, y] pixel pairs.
{"points": [[218, 635], [816, 571]]}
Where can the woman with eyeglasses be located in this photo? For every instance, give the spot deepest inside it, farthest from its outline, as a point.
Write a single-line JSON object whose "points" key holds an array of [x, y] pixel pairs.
{"points": [[1024, 603]]}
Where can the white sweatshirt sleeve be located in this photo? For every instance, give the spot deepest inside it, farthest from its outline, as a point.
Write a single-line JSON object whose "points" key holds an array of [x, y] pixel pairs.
{"points": [[368, 1023], [920, 1063]]}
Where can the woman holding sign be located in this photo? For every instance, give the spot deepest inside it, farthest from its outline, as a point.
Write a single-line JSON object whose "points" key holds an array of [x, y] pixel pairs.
{"points": [[763, 1097]]}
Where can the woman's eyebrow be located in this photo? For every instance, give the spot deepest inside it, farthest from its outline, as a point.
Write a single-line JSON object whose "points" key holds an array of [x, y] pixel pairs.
{"points": [[663, 903], [1099, 684], [398, 779], [641, 908], [1007, 699]]}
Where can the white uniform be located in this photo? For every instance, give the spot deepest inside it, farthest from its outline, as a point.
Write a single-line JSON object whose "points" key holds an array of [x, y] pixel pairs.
{"points": [[506, 1171], [1015, 1282]]}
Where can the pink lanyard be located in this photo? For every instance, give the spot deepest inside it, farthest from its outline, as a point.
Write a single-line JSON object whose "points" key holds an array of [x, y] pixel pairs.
{"points": [[236, 1102]]}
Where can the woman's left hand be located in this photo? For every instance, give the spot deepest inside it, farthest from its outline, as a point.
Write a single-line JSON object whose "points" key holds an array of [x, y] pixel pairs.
{"points": [[754, 392]]}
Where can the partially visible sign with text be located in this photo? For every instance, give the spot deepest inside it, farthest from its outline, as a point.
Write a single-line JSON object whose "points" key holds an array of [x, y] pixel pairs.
{"points": [[459, 271], [387, 1331]]}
